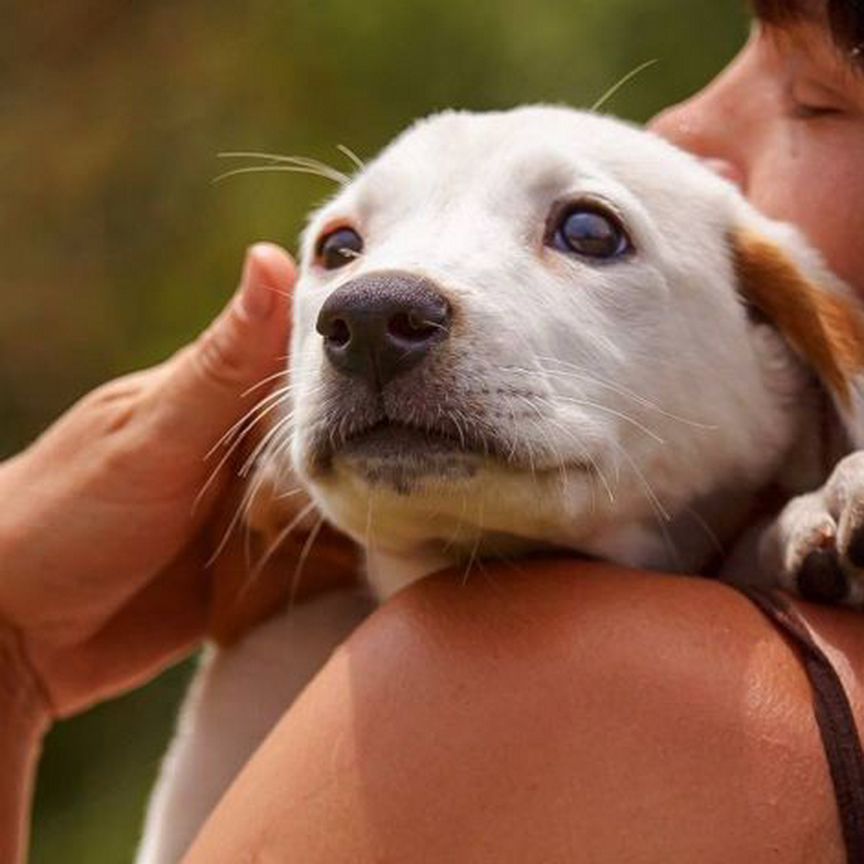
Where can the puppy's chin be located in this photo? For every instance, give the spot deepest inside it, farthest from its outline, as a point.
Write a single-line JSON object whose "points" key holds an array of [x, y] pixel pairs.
{"points": [[411, 491], [450, 502]]}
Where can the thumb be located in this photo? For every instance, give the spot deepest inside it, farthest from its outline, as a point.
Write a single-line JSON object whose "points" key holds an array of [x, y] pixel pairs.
{"points": [[204, 388]]}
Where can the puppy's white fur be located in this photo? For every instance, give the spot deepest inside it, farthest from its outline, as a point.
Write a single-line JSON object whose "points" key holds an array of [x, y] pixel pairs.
{"points": [[233, 703], [635, 406]]}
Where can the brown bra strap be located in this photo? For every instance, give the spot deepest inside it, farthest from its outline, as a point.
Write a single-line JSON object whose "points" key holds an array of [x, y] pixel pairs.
{"points": [[833, 715]]}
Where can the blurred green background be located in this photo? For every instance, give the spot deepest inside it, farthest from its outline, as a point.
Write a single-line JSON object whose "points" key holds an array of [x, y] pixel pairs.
{"points": [[116, 248]]}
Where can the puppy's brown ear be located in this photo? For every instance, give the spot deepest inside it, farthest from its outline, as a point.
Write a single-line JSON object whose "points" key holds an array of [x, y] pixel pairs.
{"points": [[257, 573], [823, 324]]}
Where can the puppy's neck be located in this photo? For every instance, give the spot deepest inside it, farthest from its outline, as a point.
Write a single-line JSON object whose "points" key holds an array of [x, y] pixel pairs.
{"points": [[389, 573]]}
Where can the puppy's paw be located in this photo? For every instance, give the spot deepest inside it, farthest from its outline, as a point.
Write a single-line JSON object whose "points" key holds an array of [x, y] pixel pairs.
{"points": [[816, 546]]}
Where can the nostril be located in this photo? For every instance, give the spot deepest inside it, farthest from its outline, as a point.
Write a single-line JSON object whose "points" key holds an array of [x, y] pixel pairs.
{"points": [[411, 327], [338, 333], [382, 325]]}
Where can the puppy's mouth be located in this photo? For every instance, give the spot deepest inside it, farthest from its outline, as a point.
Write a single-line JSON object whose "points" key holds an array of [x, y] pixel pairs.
{"points": [[405, 457], [402, 456]]}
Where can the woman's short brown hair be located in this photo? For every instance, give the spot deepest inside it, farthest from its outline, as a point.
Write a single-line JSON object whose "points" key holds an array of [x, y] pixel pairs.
{"points": [[845, 17]]}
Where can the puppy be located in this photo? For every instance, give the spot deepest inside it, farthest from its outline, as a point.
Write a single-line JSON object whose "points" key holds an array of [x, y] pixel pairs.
{"points": [[538, 329]]}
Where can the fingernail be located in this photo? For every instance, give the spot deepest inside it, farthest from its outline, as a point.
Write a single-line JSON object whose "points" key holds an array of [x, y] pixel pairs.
{"points": [[257, 297]]}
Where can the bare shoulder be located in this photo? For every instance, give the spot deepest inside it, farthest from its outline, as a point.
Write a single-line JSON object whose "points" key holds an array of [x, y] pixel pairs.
{"points": [[560, 712]]}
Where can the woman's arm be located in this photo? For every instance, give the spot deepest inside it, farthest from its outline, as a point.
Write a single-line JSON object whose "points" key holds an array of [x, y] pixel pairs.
{"points": [[563, 713], [110, 517], [24, 720], [108, 522]]}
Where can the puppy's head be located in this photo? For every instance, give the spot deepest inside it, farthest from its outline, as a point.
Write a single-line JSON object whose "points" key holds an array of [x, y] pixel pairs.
{"points": [[527, 328]]}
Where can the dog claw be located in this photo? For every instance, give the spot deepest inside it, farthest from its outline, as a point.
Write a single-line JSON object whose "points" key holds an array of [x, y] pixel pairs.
{"points": [[821, 578], [855, 550]]}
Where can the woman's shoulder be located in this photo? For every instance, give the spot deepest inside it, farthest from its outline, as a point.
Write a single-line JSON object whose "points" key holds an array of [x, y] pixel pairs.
{"points": [[655, 624], [552, 710]]}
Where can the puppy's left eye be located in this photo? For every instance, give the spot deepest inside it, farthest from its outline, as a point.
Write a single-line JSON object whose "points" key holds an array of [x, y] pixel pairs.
{"points": [[590, 231], [338, 248]]}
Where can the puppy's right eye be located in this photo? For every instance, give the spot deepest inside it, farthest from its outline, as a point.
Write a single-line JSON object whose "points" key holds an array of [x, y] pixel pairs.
{"points": [[338, 248], [589, 230]]}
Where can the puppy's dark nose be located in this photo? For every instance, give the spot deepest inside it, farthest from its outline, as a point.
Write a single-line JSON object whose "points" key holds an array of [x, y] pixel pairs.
{"points": [[381, 325]]}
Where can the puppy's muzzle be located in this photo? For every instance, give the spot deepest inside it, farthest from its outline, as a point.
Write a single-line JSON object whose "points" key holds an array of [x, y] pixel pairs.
{"points": [[380, 325]]}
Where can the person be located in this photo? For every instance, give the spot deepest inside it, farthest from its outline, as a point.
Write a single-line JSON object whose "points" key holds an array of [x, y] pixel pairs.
{"points": [[559, 711]]}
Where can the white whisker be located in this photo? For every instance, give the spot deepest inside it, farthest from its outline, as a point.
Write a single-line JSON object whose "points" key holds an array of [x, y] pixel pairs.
{"points": [[263, 382], [275, 395], [283, 169], [367, 536], [347, 151], [262, 444], [606, 410], [572, 370], [621, 83], [228, 454], [304, 163], [590, 459], [280, 538], [476, 548], [707, 530], [649, 489], [661, 514], [304, 554], [242, 508], [289, 494]]}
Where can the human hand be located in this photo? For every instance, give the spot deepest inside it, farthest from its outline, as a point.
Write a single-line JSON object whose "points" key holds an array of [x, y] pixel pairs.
{"points": [[104, 533]]}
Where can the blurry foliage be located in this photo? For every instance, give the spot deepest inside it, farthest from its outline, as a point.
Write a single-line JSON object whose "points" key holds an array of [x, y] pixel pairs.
{"points": [[117, 248]]}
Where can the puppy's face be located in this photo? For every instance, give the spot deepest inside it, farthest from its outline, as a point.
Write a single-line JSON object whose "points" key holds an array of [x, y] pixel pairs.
{"points": [[523, 328]]}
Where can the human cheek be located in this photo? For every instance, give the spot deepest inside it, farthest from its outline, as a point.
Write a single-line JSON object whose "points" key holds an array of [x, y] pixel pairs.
{"points": [[695, 126], [816, 186]]}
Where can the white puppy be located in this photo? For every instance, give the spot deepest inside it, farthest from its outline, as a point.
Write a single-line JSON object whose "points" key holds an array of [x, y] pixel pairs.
{"points": [[535, 329]]}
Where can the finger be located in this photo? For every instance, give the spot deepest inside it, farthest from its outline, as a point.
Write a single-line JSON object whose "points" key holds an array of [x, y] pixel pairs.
{"points": [[205, 389]]}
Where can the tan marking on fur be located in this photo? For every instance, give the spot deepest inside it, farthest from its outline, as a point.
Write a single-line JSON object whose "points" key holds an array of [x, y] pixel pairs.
{"points": [[825, 328]]}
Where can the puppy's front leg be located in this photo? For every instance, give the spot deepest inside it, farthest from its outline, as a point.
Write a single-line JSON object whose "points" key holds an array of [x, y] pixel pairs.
{"points": [[816, 545], [236, 698]]}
